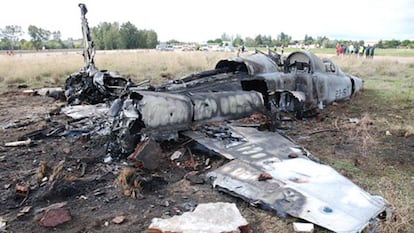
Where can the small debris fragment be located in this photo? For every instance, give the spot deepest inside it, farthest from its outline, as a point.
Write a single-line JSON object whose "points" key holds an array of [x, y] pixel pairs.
{"points": [[118, 219], [55, 217], [303, 227], [354, 120], [66, 150], [98, 192], [3, 224], [265, 176], [165, 203], [108, 159], [24, 211], [49, 91], [207, 218], [22, 191], [398, 117], [176, 155], [18, 143], [29, 92], [388, 133]]}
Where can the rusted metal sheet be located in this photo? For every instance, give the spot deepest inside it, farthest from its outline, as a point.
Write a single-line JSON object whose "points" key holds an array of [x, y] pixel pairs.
{"points": [[299, 186]]}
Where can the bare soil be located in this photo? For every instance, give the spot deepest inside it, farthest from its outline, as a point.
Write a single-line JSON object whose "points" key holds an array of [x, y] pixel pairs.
{"points": [[93, 195]]}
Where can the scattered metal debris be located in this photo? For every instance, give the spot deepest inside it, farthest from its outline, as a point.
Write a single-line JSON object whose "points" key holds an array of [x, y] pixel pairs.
{"points": [[18, 143], [207, 218], [268, 169], [24, 211], [3, 224], [303, 227], [119, 219], [22, 190], [299, 186]]}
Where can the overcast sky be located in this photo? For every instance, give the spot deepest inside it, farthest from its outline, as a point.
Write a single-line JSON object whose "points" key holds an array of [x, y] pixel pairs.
{"points": [[197, 21]]}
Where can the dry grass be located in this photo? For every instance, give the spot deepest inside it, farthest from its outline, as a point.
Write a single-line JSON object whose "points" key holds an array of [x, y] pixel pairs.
{"points": [[35, 70], [129, 181], [51, 69], [157, 66]]}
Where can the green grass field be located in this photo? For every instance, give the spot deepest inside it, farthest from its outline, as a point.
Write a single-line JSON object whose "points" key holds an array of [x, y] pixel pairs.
{"points": [[332, 51]]}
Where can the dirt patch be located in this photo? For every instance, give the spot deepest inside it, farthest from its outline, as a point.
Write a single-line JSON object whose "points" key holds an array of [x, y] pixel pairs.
{"points": [[71, 170]]}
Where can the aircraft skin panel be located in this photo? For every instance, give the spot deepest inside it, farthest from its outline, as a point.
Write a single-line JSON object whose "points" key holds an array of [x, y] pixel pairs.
{"points": [[299, 186]]}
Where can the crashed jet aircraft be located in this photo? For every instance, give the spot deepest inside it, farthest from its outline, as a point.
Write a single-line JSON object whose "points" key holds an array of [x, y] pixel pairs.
{"points": [[237, 88]]}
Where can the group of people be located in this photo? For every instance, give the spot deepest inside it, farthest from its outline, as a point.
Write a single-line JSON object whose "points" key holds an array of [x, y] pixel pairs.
{"points": [[10, 53], [359, 50]]}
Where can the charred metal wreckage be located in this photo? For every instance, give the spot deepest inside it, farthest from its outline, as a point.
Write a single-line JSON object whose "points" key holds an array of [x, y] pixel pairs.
{"points": [[237, 88]]}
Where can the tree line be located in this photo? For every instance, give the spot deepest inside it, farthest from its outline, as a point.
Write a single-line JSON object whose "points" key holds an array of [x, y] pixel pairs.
{"points": [[284, 40], [106, 36]]}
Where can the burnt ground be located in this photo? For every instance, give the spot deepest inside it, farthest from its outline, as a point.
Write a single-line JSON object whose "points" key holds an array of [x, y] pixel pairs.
{"points": [[91, 190]]}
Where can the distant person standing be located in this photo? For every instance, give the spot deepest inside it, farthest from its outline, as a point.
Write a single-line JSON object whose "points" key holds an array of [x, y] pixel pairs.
{"points": [[356, 49], [344, 49], [338, 49], [361, 50], [367, 51], [241, 50], [351, 49], [371, 52]]}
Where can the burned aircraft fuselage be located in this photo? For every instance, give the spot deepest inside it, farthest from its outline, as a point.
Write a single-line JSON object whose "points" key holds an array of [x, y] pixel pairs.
{"points": [[303, 82], [236, 88]]}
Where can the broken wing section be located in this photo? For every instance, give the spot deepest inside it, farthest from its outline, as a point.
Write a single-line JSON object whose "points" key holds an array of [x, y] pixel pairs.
{"points": [[304, 189], [299, 186]]}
